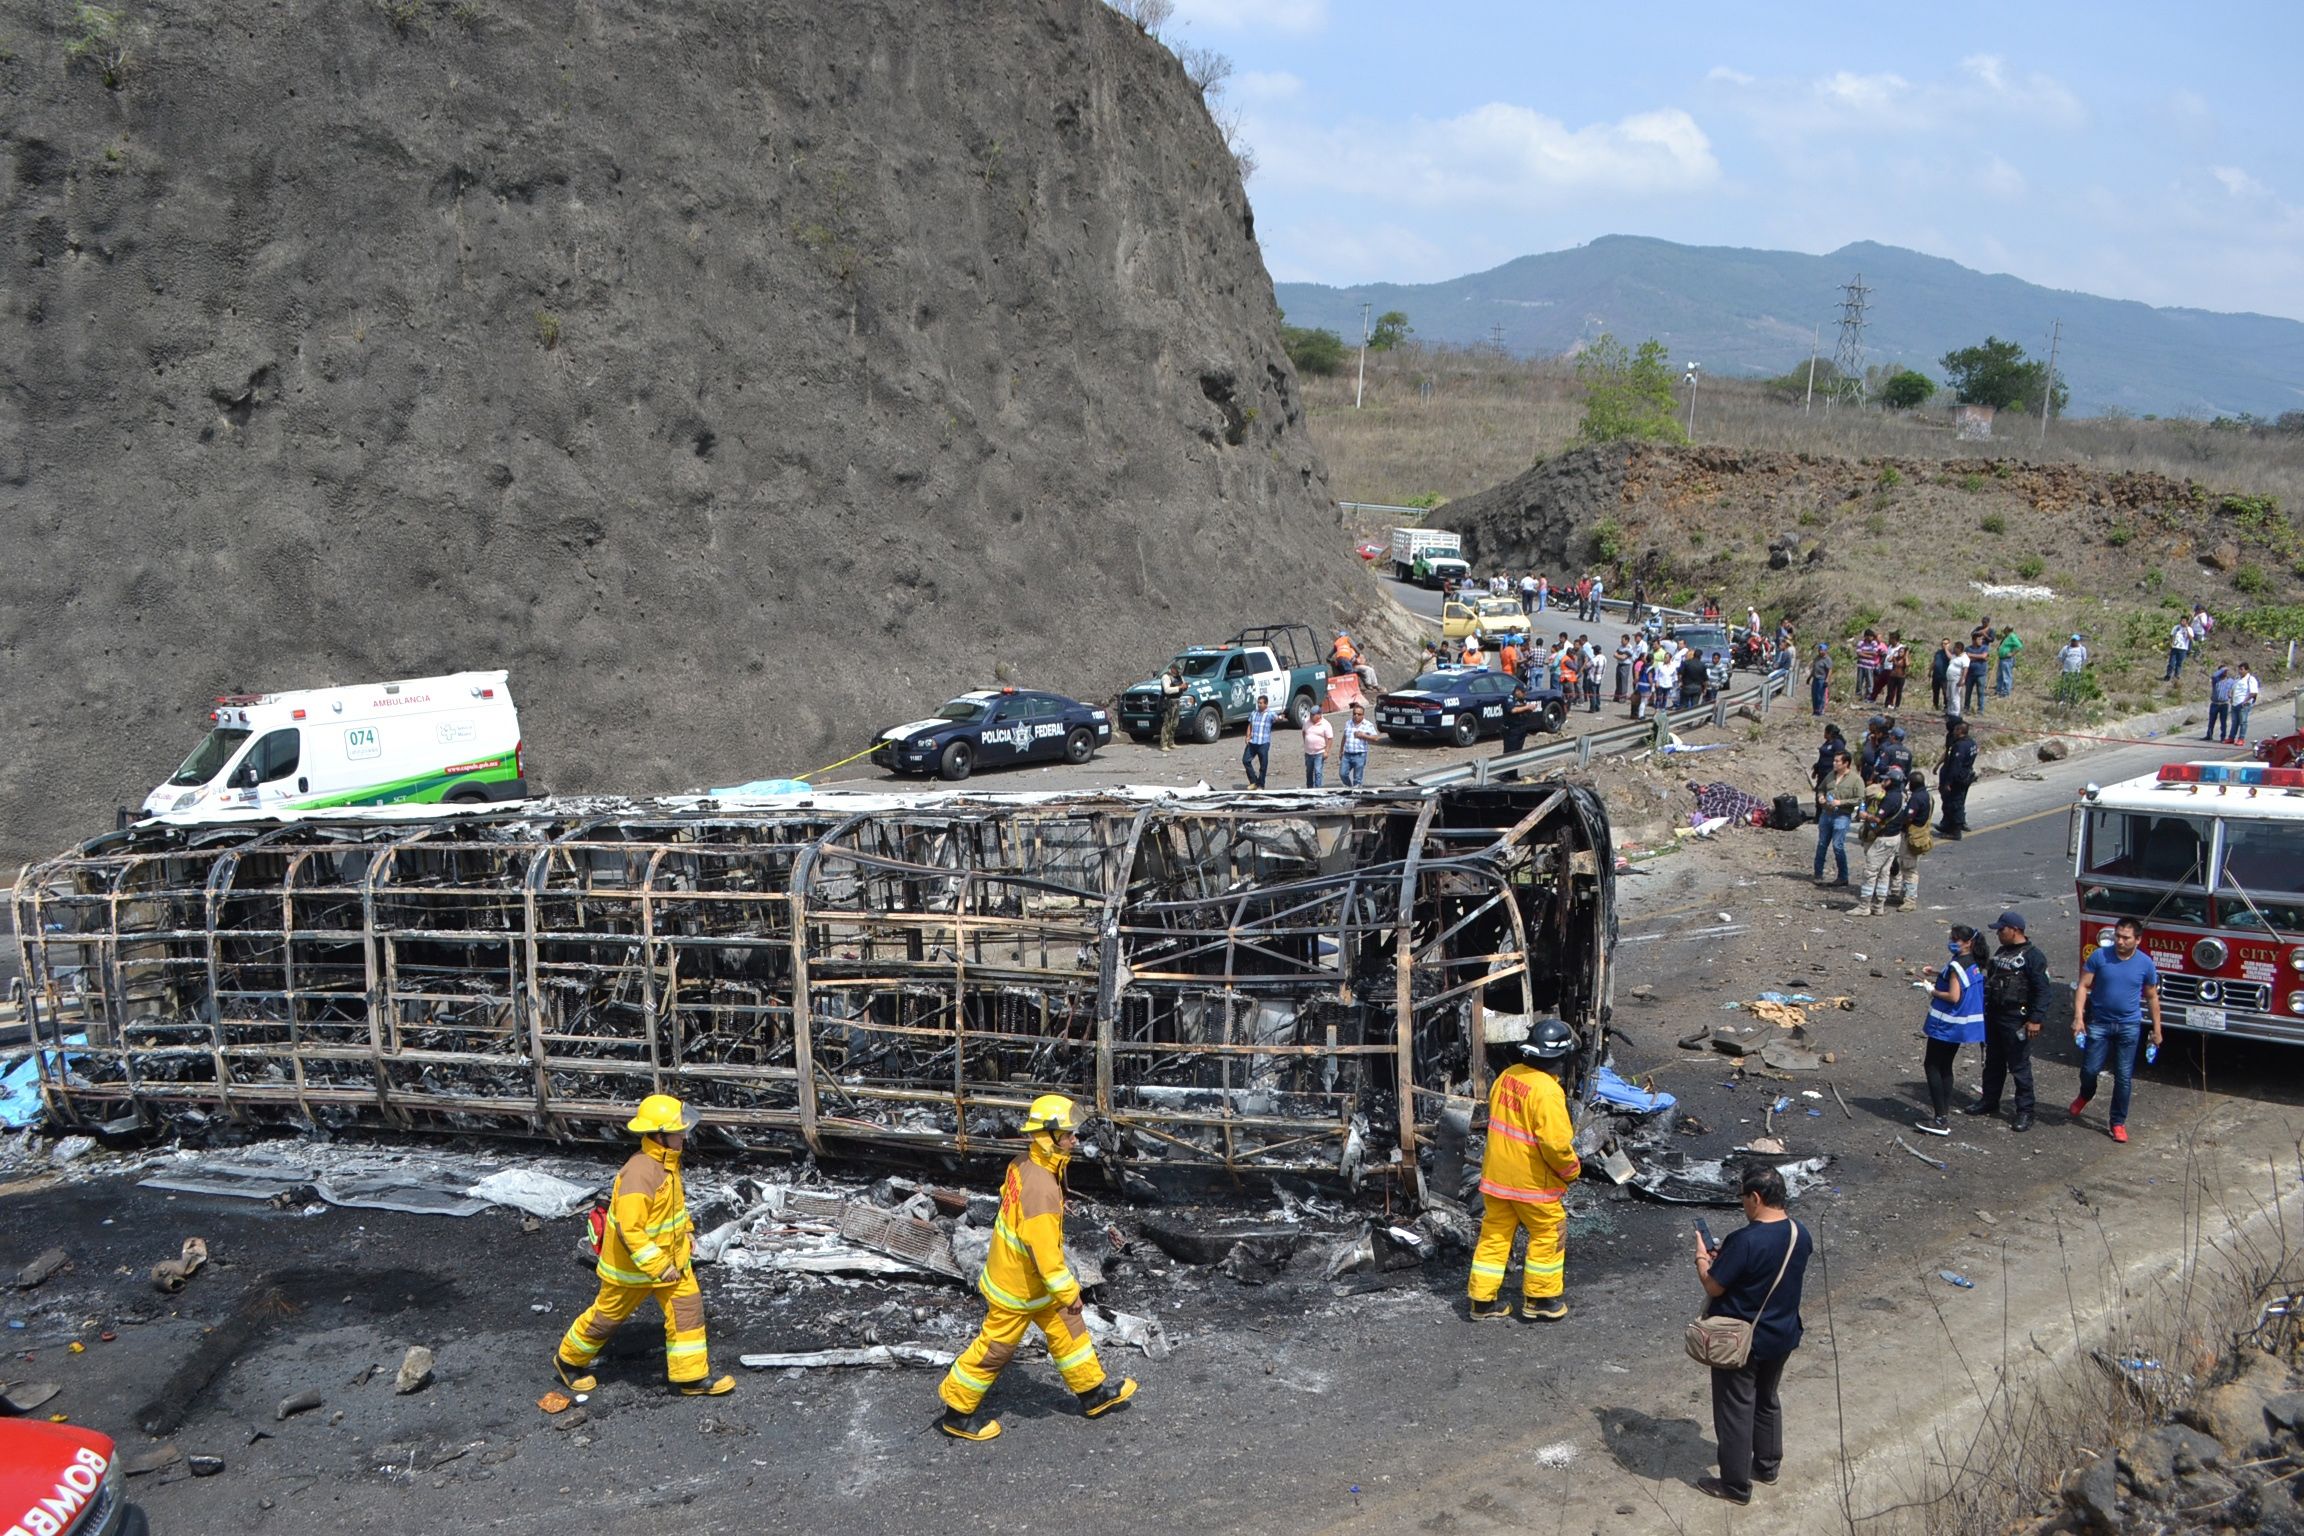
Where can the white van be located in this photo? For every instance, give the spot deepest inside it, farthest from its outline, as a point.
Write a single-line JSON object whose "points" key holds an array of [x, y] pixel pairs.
{"points": [[454, 738]]}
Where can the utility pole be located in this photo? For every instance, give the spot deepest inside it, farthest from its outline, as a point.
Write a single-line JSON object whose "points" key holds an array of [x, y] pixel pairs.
{"points": [[1689, 378], [1363, 384], [2048, 387], [1815, 345]]}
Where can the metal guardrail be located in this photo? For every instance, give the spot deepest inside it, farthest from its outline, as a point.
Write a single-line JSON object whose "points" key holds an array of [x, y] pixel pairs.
{"points": [[1405, 516], [1640, 735]]}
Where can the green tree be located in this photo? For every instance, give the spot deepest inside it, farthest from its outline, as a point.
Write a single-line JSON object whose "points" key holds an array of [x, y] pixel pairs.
{"points": [[1906, 389], [1313, 351], [1392, 328], [1998, 374], [1626, 393]]}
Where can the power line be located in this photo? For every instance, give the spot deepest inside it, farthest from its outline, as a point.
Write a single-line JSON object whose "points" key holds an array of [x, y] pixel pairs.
{"points": [[1848, 355]]}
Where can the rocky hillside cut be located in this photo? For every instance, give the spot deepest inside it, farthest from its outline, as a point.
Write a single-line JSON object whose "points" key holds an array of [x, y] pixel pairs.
{"points": [[741, 376]]}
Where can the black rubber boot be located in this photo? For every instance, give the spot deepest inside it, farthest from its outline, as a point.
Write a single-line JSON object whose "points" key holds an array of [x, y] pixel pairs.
{"points": [[1548, 1309], [968, 1426], [1104, 1399], [1491, 1311]]}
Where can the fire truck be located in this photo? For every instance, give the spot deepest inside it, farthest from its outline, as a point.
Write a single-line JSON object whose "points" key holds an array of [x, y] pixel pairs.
{"points": [[2210, 858]]}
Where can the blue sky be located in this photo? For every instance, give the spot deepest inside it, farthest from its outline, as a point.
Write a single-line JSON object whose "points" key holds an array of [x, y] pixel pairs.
{"points": [[2139, 151]]}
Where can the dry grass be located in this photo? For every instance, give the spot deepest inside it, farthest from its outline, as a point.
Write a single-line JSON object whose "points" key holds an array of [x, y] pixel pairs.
{"points": [[1450, 422], [2037, 1422]]}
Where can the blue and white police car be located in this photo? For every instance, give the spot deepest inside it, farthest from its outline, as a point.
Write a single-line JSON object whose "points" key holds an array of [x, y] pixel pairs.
{"points": [[1461, 704], [991, 728]]}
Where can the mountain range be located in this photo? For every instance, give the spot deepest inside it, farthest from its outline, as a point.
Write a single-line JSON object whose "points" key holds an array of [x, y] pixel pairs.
{"points": [[1743, 313]]}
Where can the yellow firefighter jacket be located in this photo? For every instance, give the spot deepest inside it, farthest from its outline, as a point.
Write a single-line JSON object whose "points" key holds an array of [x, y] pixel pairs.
{"points": [[1025, 1271], [648, 1227], [1531, 1155]]}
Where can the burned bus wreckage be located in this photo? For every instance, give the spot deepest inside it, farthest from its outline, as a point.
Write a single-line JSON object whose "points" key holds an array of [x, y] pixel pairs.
{"points": [[1243, 985]]}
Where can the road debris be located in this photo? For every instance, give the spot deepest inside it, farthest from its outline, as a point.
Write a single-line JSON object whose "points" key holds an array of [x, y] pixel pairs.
{"points": [[38, 1271], [170, 1275], [1954, 1277], [1933, 1162], [25, 1396], [873, 1357], [302, 1402], [539, 1194], [555, 1401], [415, 1371]]}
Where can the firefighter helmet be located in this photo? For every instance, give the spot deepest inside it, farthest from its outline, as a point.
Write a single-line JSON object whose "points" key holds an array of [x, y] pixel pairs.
{"points": [[1051, 1114], [660, 1114]]}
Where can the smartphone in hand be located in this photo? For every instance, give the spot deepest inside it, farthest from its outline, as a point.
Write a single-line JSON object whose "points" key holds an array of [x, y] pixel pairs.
{"points": [[1704, 1231]]}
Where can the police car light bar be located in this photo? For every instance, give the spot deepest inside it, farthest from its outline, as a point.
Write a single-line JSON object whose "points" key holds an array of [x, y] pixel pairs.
{"points": [[2253, 775]]}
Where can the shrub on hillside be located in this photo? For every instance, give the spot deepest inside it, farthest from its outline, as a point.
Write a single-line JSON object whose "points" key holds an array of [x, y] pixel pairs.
{"points": [[2251, 580], [1311, 350], [1906, 390], [1993, 522], [1627, 394]]}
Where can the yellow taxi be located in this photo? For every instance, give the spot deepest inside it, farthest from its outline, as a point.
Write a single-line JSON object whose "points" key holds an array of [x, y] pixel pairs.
{"points": [[1489, 617]]}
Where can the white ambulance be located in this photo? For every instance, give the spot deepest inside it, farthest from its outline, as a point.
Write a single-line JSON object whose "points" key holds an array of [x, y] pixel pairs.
{"points": [[454, 738]]}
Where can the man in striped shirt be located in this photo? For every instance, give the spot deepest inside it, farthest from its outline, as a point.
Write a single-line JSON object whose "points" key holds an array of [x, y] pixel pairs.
{"points": [[1530, 1158], [1256, 757]]}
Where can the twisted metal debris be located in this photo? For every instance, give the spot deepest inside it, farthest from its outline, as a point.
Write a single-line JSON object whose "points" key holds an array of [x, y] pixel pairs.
{"points": [[1242, 983]]}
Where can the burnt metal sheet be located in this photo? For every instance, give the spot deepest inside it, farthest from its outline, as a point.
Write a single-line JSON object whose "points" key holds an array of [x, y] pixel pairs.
{"points": [[1241, 984]]}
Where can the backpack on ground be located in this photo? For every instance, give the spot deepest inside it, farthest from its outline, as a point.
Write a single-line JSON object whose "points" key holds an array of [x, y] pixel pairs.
{"points": [[1789, 815]]}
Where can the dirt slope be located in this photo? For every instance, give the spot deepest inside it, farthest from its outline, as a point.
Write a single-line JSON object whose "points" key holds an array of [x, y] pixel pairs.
{"points": [[740, 376], [1841, 543]]}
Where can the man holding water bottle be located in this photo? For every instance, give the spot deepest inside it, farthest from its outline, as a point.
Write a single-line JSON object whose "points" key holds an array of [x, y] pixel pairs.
{"points": [[2117, 987]]}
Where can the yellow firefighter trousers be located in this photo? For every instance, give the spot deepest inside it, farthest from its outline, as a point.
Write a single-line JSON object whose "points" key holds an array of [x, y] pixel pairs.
{"points": [[995, 1344], [1500, 1222], [683, 1303]]}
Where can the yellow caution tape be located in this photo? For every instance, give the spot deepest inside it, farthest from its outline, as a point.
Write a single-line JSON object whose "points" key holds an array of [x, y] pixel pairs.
{"points": [[844, 762]]}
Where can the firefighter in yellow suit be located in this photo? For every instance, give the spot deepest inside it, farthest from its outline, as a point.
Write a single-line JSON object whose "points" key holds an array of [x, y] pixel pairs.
{"points": [[1027, 1284], [645, 1252], [1531, 1157]]}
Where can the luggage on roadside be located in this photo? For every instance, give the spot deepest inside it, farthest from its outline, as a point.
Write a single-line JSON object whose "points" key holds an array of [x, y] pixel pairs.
{"points": [[1790, 813]]}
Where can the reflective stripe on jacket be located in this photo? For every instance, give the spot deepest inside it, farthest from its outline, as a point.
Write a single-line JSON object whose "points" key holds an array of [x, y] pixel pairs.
{"points": [[1530, 1155], [648, 1229], [1026, 1270]]}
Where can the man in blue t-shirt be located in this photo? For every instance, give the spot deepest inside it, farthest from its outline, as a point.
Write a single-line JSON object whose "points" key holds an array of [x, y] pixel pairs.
{"points": [[2117, 987]]}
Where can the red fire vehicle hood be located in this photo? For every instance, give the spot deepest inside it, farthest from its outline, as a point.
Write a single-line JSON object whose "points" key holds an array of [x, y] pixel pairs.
{"points": [[48, 1472]]}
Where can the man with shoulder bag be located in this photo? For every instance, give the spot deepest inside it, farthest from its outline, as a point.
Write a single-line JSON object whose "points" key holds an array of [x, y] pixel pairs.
{"points": [[1748, 1330]]}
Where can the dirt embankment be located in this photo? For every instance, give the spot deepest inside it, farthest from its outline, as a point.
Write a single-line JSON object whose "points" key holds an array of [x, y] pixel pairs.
{"points": [[1841, 543], [741, 377]]}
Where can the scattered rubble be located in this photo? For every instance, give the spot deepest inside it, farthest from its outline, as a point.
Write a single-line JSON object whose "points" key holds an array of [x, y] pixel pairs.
{"points": [[415, 1371], [38, 1271], [170, 1275]]}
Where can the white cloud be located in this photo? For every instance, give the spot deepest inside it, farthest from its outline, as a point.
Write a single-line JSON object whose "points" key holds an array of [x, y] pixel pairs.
{"points": [[1984, 99], [2001, 180], [1266, 86], [1297, 18], [1500, 155], [1338, 251], [1722, 72], [2238, 182]]}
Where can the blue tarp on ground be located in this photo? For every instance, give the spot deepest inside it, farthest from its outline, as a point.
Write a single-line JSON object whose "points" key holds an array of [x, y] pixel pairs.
{"points": [[20, 1089], [760, 789], [1609, 1088]]}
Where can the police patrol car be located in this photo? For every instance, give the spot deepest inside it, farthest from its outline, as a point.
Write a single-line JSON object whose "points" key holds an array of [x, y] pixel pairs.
{"points": [[1461, 704], [991, 728]]}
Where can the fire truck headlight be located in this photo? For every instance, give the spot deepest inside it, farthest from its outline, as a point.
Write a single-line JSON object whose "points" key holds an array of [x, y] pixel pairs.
{"points": [[2296, 1003], [2296, 959], [2210, 954]]}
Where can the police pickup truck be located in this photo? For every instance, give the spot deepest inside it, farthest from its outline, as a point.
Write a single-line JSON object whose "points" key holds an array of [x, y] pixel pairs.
{"points": [[991, 728], [1461, 704], [1221, 682]]}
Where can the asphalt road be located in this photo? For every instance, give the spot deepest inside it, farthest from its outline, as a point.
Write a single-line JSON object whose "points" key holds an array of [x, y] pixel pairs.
{"points": [[1285, 1406]]}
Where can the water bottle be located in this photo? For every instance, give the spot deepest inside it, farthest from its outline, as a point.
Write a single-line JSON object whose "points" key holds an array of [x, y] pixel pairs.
{"points": [[2151, 1052]]}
